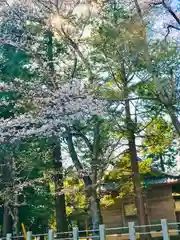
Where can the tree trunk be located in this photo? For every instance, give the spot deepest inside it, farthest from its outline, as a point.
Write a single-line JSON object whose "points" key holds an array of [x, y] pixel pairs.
{"points": [[60, 206], [7, 221], [7, 182], [140, 206], [15, 216], [135, 168], [174, 119], [95, 213], [90, 185], [131, 127], [95, 202], [99, 210], [61, 218]]}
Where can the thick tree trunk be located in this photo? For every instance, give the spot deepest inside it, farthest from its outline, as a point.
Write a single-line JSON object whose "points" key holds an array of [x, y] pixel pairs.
{"points": [[60, 206], [94, 208], [61, 218], [95, 213]]}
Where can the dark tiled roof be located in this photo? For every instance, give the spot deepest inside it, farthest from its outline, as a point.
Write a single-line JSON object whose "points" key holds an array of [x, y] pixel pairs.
{"points": [[161, 180], [155, 177]]}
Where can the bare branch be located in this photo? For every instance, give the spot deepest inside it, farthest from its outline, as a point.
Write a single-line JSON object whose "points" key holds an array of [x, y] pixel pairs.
{"points": [[168, 30]]}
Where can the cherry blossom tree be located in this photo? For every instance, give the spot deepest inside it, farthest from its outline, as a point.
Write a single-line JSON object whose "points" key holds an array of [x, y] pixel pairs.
{"points": [[56, 94]]}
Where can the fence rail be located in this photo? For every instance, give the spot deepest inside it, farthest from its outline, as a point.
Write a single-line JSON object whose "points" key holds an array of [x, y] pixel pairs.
{"points": [[131, 232]]}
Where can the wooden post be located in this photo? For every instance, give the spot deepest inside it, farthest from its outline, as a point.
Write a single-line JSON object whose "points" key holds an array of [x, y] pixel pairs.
{"points": [[101, 232], [8, 236], [75, 233], [29, 235], [50, 234], [132, 232], [165, 233]]}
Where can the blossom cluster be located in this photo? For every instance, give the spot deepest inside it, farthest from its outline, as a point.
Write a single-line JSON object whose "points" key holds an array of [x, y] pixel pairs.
{"points": [[53, 110]]}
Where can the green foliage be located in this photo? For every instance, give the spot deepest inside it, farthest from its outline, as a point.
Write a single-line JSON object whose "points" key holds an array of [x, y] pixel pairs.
{"points": [[38, 215], [13, 64], [76, 201], [159, 144], [30, 174], [121, 175], [158, 135]]}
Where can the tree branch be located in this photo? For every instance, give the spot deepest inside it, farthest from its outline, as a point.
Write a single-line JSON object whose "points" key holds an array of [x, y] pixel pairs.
{"points": [[168, 30], [74, 45], [88, 143], [172, 13]]}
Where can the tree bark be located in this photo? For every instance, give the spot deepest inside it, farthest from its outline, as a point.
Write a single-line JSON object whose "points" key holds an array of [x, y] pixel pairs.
{"points": [[7, 221], [60, 206], [90, 185], [15, 216], [95, 203], [7, 182], [140, 205], [174, 119], [131, 128], [95, 211]]}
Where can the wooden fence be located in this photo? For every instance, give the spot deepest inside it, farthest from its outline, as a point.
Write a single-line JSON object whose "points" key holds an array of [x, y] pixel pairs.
{"points": [[164, 230]]}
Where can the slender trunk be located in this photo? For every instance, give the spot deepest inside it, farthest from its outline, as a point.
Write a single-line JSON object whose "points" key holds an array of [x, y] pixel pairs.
{"points": [[94, 203], [90, 185], [15, 216], [15, 211], [140, 206], [135, 167], [174, 119], [94, 168], [60, 206], [7, 181]]}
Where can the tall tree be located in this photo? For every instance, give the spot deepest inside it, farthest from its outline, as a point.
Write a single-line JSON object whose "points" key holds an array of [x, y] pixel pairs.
{"points": [[96, 145], [123, 59]]}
